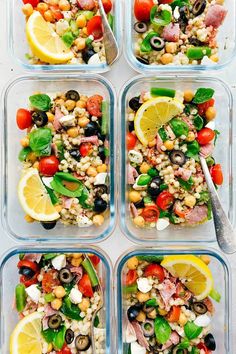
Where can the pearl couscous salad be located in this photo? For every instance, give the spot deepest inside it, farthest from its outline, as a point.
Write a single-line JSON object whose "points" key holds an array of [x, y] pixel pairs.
{"points": [[58, 301], [177, 32], [65, 32], [167, 306], [168, 130], [65, 159]]}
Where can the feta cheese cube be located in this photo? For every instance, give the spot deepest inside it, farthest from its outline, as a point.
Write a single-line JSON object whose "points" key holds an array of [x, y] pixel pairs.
{"points": [[67, 121], [143, 285], [100, 178], [33, 292], [75, 296], [162, 224], [137, 349], [84, 221], [59, 262]]}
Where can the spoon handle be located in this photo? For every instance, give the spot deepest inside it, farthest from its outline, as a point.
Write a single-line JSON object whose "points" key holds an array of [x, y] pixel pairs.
{"points": [[224, 230]]}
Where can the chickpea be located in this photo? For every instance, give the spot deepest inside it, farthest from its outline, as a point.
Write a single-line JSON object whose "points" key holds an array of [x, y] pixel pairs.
{"points": [[162, 312], [169, 144], [102, 168], [60, 292], [81, 21], [27, 9], [188, 95], [70, 105], [190, 137], [190, 201], [76, 262], [139, 221], [73, 132], [53, 2], [152, 314], [50, 348], [141, 297], [214, 58], [91, 171], [64, 5], [36, 165], [152, 143], [182, 319], [60, 102], [220, 2], [171, 47], [31, 157], [84, 98], [42, 7], [132, 263], [25, 141], [166, 58], [85, 31], [56, 304], [134, 196], [210, 113], [77, 255], [48, 16], [145, 167], [84, 305], [98, 220], [81, 104], [29, 219], [141, 317], [50, 117], [80, 43], [83, 121], [206, 259], [58, 208]]}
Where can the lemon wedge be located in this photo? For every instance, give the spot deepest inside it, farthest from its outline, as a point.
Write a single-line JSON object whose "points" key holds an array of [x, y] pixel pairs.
{"points": [[193, 271], [153, 114], [44, 42]]}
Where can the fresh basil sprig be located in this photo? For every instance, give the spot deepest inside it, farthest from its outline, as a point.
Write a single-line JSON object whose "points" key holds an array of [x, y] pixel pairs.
{"points": [[193, 149], [191, 330], [40, 141], [146, 45], [40, 101], [203, 95], [187, 185], [162, 329], [160, 18], [24, 153]]}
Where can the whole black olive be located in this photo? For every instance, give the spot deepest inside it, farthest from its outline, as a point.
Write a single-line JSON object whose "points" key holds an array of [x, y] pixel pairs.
{"points": [[140, 27], [133, 312], [131, 126], [100, 205], [199, 308], [143, 60], [140, 204], [27, 272], [65, 276], [100, 190], [91, 129], [177, 157], [157, 43], [87, 54], [194, 41], [101, 153], [48, 225], [134, 103], [82, 343], [40, 118], [54, 321], [101, 136], [210, 342], [75, 154], [184, 13], [199, 7], [69, 336], [154, 187], [72, 95], [148, 328]]}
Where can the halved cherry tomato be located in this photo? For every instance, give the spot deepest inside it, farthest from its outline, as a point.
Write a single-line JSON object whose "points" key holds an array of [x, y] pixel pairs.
{"points": [[174, 314], [202, 107], [155, 270], [203, 347], [94, 105], [85, 286], [94, 259], [49, 165], [64, 350], [131, 277], [23, 118], [142, 9], [217, 174], [150, 213], [50, 280], [57, 14], [107, 4], [34, 3], [27, 282], [130, 141], [28, 264], [94, 27], [179, 211], [85, 149], [165, 200], [205, 136]]}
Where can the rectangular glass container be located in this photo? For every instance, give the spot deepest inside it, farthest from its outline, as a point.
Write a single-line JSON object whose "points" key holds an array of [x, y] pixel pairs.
{"points": [[223, 153], [16, 96]]}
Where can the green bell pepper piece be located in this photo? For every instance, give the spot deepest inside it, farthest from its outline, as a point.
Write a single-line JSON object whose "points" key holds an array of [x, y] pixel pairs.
{"points": [[153, 172], [21, 296], [128, 289], [158, 91], [90, 271], [104, 125], [68, 38], [197, 53], [143, 180], [151, 259]]}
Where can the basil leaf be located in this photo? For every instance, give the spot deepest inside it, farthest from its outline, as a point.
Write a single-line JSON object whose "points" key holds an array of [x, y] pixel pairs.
{"points": [[96, 322], [217, 133], [163, 134], [151, 259], [70, 310], [143, 180], [40, 141], [148, 201], [184, 344], [48, 256], [160, 18], [151, 303], [24, 153], [145, 45], [52, 195], [164, 214], [49, 335], [203, 95], [58, 186], [209, 210], [83, 198], [191, 330], [210, 161], [198, 122], [59, 338], [162, 329], [111, 18], [195, 351], [179, 3], [186, 184], [60, 150], [40, 101], [68, 38], [174, 219], [163, 186], [179, 127], [193, 149], [190, 109]]}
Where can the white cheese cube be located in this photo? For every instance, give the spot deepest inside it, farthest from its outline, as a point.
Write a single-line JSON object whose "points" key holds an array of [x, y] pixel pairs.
{"points": [[75, 296], [143, 285], [33, 292], [59, 262]]}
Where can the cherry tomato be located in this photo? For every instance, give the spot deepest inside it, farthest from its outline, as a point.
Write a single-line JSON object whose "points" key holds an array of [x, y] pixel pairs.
{"points": [[155, 270], [174, 314], [150, 213], [27, 282], [94, 27], [205, 136], [142, 9], [34, 3], [179, 211], [85, 149], [23, 118], [85, 286], [131, 277], [94, 105], [49, 165], [202, 107], [64, 350], [94, 259], [28, 264], [202, 346], [165, 200], [50, 280], [57, 14], [107, 4], [130, 141], [217, 174]]}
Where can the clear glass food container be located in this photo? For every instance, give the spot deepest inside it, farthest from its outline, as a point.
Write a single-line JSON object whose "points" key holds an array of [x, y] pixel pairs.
{"points": [[16, 35], [9, 278], [16, 96], [226, 40], [221, 271], [223, 154]]}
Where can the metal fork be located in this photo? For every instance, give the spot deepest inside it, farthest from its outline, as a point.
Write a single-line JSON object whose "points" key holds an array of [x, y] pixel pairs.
{"points": [[110, 44]]}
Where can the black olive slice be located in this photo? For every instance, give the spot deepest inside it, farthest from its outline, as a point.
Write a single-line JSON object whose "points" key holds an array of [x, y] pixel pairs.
{"points": [[40, 118], [87, 54], [65, 276], [148, 328], [157, 43], [82, 343], [72, 95], [54, 321], [177, 157], [143, 60], [75, 154], [210, 342], [134, 103], [199, 7], [199, 308], [91, 129], [140, 27], [69, 336]]}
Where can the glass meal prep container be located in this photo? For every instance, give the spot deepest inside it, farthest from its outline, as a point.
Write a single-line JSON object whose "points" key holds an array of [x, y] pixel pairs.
{"points": [[9, 278], [225, 39], [16, 34], [16, 96], [221, 272], [223, 123]]}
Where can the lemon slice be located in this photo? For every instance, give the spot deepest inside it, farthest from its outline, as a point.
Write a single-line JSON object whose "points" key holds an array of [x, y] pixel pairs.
{"points": [[26, 337], [45, 42], [153, 114], [34, 198], [195, 273]]}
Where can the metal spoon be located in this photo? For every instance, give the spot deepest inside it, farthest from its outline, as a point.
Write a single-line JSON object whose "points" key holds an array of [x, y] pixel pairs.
{"points": [[110, 44]]}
